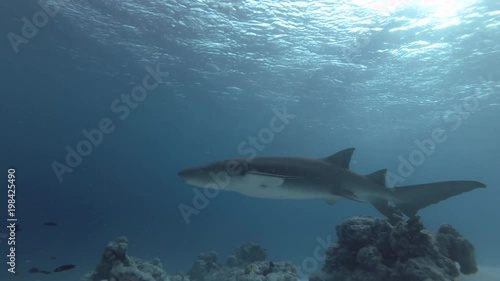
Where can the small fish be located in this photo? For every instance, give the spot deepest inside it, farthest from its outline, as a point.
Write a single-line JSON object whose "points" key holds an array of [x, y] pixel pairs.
{"points": [[64, 267], [269, 269], [36, 270], [52, 258], [50, 223], [248, 269]]}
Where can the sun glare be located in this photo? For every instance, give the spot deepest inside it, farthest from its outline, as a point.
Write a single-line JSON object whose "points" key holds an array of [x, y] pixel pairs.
{"points": [[435, 8]]}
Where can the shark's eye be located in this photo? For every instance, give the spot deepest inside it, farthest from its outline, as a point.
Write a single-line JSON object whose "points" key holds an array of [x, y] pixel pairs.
{"points": [[245, 167]]}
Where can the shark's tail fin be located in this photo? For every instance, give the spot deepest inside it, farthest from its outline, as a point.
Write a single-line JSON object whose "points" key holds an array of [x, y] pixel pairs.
{"points": [[411, 198]]}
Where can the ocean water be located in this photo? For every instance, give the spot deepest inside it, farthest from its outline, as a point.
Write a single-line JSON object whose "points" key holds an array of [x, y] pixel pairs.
{"points": [[209, 76]]}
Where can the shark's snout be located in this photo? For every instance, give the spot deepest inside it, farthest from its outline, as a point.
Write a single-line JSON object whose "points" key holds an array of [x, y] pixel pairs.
{"points": [[188, 173], [195, 176]]}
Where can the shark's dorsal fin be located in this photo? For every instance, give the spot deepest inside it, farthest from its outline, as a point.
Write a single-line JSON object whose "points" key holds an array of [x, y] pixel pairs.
{"points": [[378, 177], [341, 158]]}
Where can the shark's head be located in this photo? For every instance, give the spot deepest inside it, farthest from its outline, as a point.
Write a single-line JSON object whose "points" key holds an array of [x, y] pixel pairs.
{"points": [[219, 175]]}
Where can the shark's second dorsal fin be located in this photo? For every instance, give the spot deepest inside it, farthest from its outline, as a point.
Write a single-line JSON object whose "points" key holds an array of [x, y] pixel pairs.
{"points": [[378, 177], [341, 158]]}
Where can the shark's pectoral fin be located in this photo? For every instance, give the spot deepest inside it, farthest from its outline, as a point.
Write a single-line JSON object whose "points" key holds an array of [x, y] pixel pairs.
{"points": [[350, 195], [264, 181]]}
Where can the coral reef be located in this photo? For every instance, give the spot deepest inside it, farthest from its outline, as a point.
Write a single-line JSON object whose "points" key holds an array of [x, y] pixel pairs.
{"points": [[247, 254], [203, 265], [247, 264], [453, 245], [368, 249], [372, 249], [255, 271], [115, 265], [250, 252]]}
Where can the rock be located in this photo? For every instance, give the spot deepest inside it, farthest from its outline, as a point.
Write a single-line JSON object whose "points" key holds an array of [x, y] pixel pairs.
{"points": [[250, 252], [256, 271], [372, 249], [457, 248], [247, 264], [232, 261], [116, 265], [203, 265]]}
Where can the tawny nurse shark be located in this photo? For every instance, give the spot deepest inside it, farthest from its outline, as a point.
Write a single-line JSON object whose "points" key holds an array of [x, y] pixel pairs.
{"points": [[326, 178]]}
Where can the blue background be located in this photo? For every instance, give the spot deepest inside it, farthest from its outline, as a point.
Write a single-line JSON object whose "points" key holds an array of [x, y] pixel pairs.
{"points": [[374, 77]]}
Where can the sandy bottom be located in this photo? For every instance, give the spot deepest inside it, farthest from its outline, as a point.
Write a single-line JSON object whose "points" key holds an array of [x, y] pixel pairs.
{"points": [[484, 274]]}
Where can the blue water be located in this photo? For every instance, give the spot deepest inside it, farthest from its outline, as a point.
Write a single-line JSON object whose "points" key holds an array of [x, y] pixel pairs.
{"points": [[379, 77]]}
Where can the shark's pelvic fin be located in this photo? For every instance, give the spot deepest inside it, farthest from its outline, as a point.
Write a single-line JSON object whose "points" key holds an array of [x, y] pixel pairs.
{"points": [[378, 177], [341, 158], [411, 198], [382, 205]]}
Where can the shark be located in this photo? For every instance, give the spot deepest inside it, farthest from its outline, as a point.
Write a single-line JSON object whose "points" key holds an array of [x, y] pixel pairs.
{"points": [[329, 178]]}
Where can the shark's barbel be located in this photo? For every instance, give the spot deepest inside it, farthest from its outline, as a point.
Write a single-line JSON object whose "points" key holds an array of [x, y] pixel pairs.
{"points": [[326, 178]]}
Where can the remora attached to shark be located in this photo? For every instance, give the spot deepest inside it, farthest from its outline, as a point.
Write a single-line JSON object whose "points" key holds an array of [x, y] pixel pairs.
{"points": [[326, 178]]}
